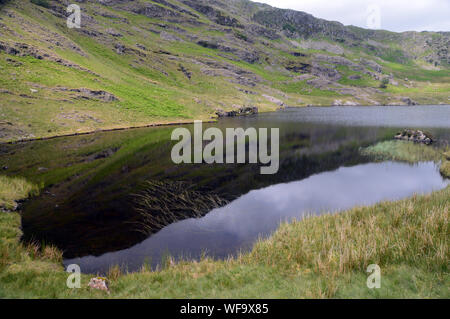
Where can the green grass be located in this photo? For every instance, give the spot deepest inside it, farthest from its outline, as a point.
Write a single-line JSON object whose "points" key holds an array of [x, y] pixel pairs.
{"points": [[13, 188], [416, 73], [447, 156], [403, 151], [318, 257], [302, 88]]}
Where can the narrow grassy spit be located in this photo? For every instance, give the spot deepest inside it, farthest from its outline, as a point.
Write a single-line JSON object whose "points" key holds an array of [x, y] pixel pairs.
{"points": [[403, 151], [409, 152], [318, 257], [445, 169]]}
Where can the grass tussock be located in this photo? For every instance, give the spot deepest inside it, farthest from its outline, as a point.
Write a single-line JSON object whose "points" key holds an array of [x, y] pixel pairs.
{"points": [[114, 273], [12, 189], [445, 169]]}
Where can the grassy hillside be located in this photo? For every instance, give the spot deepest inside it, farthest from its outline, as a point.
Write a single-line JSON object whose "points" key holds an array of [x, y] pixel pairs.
{"points": [[140, 62]]}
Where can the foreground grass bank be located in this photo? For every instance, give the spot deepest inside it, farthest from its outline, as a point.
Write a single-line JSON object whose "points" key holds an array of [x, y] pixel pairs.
{"points": [[445, 167], [319, 257]]}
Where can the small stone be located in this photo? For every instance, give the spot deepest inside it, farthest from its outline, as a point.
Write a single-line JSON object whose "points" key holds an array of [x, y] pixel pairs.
{"points": [[99, 283]]}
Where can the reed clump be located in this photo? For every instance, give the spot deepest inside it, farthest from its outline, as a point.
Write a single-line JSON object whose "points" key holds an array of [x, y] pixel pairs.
{"points": [[165, 202]]}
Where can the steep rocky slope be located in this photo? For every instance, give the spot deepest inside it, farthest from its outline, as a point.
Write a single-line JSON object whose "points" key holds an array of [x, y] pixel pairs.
{"points": [[136, 62]]}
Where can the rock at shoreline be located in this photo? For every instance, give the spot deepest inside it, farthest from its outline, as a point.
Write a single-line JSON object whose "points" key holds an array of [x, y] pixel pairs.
{"points": [[409, 101], [415, 136], [239, 112]]}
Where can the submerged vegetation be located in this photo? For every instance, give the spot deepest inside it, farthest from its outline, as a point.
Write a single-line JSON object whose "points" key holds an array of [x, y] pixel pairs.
{"points": [[165, 202]]}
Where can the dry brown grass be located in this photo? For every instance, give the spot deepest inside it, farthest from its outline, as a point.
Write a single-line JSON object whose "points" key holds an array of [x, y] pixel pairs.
{"points": [[12, 189]]}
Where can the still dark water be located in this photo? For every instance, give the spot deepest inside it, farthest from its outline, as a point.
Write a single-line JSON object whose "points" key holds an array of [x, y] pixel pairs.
{"points": [[92, 208]]}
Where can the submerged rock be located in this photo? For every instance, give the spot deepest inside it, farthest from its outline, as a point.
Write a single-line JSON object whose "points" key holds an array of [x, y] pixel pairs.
{"points": [[415, 136]]}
